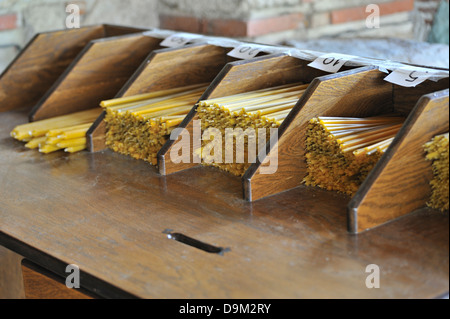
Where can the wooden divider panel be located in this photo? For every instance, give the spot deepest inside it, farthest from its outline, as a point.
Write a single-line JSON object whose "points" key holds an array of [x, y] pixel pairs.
{"points": [[239, 77], [43, 61], [359, 92], [400, 183], [167, 69], [98, 73]]}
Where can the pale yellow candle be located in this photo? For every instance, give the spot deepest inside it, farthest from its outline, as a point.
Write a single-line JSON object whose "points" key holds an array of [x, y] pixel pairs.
{"points": [[35, 143], [72, 143]]}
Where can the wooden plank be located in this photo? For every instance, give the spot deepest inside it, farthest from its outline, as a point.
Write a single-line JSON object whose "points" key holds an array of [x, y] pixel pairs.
{"points": [[239, 77], [106, 213], [40, 64], [361, 92], [167, 69], [99, 72], [43, 61], [400, 183], [42, 284]]}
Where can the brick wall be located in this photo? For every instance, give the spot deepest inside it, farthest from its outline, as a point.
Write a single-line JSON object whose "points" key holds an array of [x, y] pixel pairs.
{"points": [[20, 20], [277, 20], [423, 17], [270, 21]]}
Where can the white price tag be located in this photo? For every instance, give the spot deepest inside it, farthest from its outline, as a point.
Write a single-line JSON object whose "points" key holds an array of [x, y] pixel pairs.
{"points": [[245, 51], [179, 40], [331, 62], [409, 76]]}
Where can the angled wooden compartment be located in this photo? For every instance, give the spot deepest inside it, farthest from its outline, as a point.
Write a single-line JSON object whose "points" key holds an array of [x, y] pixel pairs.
{"points": [[96, 74], [400, 183], [166, 69], [44, 59], [357, 92], [239, 77], [360, 93]]}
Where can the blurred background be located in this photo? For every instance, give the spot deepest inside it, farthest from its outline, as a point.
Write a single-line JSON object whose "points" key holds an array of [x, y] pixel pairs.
{"points": [[414, 31]]}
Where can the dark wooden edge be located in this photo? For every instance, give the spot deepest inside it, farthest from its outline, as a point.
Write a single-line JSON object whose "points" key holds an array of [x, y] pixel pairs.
{"points": [[410, 122], [303, 101], [90, 283], [90, 133], [192, 114], [70, 68]]}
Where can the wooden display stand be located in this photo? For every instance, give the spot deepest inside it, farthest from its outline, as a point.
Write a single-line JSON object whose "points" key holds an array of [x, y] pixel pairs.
{"points": [[400, 183], [92, 64], [43, 61], [239, 77], [98, 73], [167, 69], [360, 92]]}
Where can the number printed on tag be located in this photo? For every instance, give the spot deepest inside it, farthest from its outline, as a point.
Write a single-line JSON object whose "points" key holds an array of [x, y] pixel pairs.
{"points": [[179, 40], [331, 63], [408, 77], [245, 51]]}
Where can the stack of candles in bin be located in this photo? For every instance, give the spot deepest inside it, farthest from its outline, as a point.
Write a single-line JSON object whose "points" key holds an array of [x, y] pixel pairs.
{"points": [[261, 109], [341, 152], [140, 125], [437, 152]]}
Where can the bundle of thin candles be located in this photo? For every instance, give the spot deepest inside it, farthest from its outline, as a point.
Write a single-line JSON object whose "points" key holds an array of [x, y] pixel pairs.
{"points": [[437, 152], [258, 110], [341, 152], [140, 125], [66, 132]]}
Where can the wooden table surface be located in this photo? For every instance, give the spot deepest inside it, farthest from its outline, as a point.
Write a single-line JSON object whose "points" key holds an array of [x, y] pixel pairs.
{"points": [[107, 213]]}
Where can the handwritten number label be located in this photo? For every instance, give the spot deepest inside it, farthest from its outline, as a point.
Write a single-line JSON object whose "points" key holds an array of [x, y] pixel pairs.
{"points": [[331, 63], [245, 52], [179, 40], [408, 77]]}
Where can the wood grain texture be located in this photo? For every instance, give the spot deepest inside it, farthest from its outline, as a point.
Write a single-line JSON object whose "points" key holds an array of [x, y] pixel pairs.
{"points": [[400, 183], [167, 69], [44, 60], [99, 73], [239, 77], [11, 281], [106, 213], [355, 93], [41, 284], [172, 68]]}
